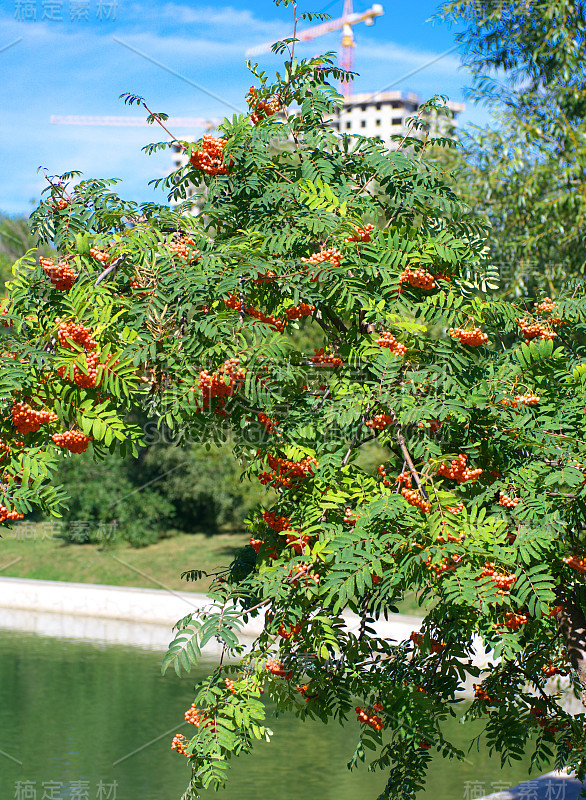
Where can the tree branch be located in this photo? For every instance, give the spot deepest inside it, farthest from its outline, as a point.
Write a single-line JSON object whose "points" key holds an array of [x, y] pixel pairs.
{"points": [[355, 439], [408, 460], [111, 270]]}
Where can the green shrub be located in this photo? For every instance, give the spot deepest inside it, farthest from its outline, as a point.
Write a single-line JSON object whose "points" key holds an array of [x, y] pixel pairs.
{"points": [[107, 503], [203, 485]]}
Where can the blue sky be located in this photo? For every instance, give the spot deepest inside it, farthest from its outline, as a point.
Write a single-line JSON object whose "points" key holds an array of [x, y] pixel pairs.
{"points": [[78, 56]]}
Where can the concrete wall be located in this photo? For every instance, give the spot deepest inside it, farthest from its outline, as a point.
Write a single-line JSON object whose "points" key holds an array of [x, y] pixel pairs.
{"points": [[120, 615]]}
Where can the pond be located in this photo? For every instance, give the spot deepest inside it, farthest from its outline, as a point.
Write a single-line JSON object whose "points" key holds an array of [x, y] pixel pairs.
{"points": [[82, 721]]}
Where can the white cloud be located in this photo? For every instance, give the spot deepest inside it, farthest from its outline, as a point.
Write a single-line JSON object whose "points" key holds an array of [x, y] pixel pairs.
{"points": [[224, 18]]}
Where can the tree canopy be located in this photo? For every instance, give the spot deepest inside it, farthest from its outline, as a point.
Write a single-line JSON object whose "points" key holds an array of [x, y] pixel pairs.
{"points": [[478, 507]]}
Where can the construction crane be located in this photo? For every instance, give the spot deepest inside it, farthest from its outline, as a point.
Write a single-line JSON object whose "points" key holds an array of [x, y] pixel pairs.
{"points": [[172, 122], [347, 43]]}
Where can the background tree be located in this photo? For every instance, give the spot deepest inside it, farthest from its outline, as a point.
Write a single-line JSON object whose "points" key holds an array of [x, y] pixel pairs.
{"points": [[479, 504], [526, 172]]}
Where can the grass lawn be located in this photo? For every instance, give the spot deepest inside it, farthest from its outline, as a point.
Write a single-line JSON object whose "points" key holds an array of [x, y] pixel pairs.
{"points": [[30, 551]]}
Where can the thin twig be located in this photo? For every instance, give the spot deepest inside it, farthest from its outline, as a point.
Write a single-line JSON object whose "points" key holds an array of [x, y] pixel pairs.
{"points": [[110, 270], [242, 311], [355, 439], [158, 121], [408, 460]]}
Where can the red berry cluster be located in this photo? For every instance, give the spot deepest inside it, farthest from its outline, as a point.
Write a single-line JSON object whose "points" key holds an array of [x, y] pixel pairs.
{"points": [[4, 310], [331, 255], [480, 694], [229, 685], [261, 109], [5, 514], [184, 247], [458, 471], [387, 339], [509, 401], [455, 510], [413, 497], [303, 691], [513, 621], [215, 385], [295, 469], [136, 284], [275, 666], [379, 421], [59, 274], [268, 276], [210, 159], [178, 744], [382, 471], [99, 255], [362, 234], [535, 330], [195, 717], [233, 301], [77, 333], [450, 537], [323, 360], [266, 421], [74, 441], [302, 310], [418, 278], [473, 338], [528, 399], [444, 565], [58, 205], [288, 633], [546, 724], [86, 381], [297, 541], [547, 306], [350, 518], [302, 571], [276, 522], [553, 669], [501, 580], [4, 449], [508, 502], [369, 719], [419, 640], [577, 563], [284, 471], [28, 420], [403, 479]]}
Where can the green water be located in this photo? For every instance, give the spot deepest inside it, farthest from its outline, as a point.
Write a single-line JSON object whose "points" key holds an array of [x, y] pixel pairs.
{"points": [[69, 711]]}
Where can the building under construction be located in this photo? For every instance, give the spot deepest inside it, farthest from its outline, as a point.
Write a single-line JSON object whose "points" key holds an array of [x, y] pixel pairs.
{"points": [[384, 114]]}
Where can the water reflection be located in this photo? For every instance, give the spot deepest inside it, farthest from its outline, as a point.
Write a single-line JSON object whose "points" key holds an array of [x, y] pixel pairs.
{"points": [[72, 714]]}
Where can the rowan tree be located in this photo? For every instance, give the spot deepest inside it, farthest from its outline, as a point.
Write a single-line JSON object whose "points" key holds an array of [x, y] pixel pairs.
{"points": [[478, 507]]}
